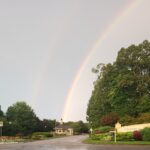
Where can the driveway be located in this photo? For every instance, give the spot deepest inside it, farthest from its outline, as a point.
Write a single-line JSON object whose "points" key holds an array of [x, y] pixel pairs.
{"points": [[68, 143]]}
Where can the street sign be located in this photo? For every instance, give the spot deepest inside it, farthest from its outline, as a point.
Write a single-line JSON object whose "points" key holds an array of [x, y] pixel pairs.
{"points": [[1, 123]]}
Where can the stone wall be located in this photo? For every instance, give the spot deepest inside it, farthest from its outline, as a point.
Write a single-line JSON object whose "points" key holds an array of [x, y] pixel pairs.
{"points": [[132, 128]]}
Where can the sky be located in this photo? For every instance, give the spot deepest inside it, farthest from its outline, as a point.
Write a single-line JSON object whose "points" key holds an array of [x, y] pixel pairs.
{"points": [[48, 48]]}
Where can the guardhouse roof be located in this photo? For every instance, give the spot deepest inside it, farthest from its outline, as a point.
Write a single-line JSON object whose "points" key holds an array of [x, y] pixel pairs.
{"points": [[62, 126]]}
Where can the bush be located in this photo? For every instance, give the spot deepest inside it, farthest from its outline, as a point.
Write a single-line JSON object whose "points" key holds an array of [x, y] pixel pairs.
{"points": [[137, 135], [128, 136], [127, 120], [103, 129], [141, 118], [101, 137], [46, 134], [109, 119], [41, 135], [146, 134]]}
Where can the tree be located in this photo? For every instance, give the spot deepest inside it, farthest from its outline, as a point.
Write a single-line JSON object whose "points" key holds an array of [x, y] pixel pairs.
{"points": [[133, 80], [1, 113], [79, 127], [46, 125], [123, 85], [22, 118], [99, 103]]}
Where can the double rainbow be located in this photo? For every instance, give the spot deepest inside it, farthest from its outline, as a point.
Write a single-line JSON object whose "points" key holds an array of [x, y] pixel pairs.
{"points": [[132, 5]]}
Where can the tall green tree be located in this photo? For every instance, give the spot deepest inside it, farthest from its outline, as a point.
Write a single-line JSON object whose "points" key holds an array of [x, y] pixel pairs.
{"points": [[122, 87], [46, 125], [22, 118], [133, 80], [79, 127], [1, 113], [99, 103]]}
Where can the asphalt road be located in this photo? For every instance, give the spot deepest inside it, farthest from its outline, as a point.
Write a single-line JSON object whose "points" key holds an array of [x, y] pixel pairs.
{"points": [[68, 143]]}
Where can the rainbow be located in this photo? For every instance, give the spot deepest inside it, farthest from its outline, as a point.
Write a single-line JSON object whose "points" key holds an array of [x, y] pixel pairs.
{"points": [[37, 84], [132, 5]]}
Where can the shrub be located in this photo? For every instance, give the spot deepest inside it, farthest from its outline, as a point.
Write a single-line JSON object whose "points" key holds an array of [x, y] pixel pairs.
{"points": [[46, 134], [146, 134], [101, 137], [141, 118], [137, 135], [103, 129], [41, 135], [109, 119], [144, 118], [127, 120], [128, 136]]}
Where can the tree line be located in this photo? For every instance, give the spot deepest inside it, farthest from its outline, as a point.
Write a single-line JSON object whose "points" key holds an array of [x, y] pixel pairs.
{"points": [[123, 87], [20, 119]]}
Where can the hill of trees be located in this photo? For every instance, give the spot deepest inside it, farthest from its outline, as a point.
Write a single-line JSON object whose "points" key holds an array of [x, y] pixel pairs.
{"points": [[122, 88]]}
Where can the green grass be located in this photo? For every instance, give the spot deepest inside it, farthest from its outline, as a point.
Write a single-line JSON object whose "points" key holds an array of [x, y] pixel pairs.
{"points": [[90, 141]]}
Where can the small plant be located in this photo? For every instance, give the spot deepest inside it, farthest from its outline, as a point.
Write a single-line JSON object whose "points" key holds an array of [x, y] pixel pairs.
{"points": [[41, 135], [146, 134], [128, 136], [103, 129], [137, 135], [102, 137]]}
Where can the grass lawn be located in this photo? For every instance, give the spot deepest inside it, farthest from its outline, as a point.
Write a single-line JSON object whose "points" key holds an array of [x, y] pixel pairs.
{"points": [[90, 141]]}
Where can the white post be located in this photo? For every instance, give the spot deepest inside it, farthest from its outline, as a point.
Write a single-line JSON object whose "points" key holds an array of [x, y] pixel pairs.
{"points": [[115, 136], [91, 130]]}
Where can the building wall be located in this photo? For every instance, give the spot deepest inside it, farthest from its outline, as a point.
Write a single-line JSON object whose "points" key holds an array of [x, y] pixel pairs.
{"points": [[64, 132], [132, 128], [59, 131], [69, 132]]}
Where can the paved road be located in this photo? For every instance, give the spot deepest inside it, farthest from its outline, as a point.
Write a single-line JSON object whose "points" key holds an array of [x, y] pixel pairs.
{"points": [[68, 143]]}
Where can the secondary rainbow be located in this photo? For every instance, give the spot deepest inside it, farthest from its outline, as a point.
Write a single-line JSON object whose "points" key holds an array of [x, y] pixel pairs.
{"points": [[124, 13]]}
